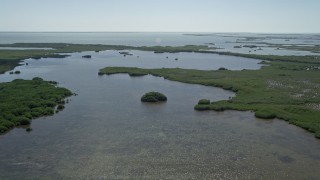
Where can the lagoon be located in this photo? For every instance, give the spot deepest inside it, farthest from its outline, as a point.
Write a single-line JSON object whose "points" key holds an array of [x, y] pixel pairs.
{"points": [[106, 132]]}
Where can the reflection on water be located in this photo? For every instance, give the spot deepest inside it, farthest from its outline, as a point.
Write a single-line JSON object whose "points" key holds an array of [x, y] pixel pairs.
{"points": [[107, 133]]}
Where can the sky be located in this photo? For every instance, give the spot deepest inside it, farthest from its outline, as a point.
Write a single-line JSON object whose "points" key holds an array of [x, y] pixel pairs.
{"points": [[267, 16]]}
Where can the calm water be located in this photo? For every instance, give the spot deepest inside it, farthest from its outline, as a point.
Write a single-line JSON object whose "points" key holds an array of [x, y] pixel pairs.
{"points": [[107, 133], [225, 41]]}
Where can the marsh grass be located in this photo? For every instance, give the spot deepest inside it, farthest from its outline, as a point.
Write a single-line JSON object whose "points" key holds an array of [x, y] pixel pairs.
{"points": [[281, 90]]}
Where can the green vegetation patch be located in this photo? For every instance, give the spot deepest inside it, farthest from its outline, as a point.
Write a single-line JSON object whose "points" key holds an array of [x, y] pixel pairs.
{"points": [[310, 48], [204, 101], [203, 105], [24, 100], [176, 49], [293, 47], [153, 97], [288, 89]]}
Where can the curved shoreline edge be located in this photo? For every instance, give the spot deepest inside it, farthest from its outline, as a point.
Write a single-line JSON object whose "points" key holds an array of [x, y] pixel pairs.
{"points": [[286, 89], [11, 58], [272, 92]]}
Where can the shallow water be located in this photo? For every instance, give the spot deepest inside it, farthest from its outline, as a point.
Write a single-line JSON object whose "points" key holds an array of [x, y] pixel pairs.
{"points": [[107, 133]]}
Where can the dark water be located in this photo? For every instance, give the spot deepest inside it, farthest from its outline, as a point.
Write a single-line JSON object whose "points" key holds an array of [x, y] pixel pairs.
{"points": [[107, 133], [225, 41]]}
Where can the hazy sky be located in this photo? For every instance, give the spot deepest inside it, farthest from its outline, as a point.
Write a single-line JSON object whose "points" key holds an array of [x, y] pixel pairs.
{"points": [[276, 16]]}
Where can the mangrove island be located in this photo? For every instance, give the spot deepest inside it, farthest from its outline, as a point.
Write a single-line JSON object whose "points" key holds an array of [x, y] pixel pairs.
{"points": [[153, 97]]}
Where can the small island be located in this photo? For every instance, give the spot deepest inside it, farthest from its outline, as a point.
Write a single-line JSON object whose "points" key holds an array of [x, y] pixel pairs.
{"points": [[86, 56], [125, 53], [153, 97], [15, 72]]}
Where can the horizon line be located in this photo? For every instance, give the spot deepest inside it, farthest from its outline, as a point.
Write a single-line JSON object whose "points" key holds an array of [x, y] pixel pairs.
{"points": [[200, 32]]}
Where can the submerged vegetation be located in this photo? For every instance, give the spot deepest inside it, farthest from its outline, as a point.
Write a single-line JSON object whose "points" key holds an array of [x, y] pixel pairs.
{"points": [[287, 89], [24, 100], [153, 97]]}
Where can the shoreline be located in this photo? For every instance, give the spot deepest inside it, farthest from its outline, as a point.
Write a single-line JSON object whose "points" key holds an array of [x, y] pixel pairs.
{"points": [[265, 91], [254, 90]]}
